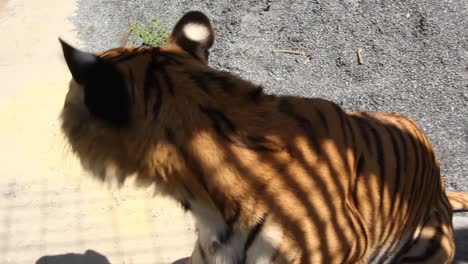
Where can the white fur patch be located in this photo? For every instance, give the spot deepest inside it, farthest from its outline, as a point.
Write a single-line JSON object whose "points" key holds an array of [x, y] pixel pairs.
{"points": [[196, 32], [391, 250], [111, 176], [264, 247], [210, 224]]}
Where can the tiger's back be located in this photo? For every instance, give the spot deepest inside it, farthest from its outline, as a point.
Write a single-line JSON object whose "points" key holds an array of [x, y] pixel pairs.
{"points": [[398, 178], [268, 179]]}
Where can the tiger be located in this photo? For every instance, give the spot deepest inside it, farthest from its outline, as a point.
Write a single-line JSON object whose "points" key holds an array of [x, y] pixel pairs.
{"points": [[268, 178]]}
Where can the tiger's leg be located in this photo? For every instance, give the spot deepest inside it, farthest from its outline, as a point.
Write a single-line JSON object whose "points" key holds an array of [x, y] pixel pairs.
{"points": [[435, 239]]}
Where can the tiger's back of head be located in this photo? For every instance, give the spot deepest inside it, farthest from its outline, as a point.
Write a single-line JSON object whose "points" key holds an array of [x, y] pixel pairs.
{"points": [[115, 99]]}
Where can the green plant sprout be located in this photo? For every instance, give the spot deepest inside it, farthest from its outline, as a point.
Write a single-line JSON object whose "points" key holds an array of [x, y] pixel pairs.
{"points": [[153, 33]]}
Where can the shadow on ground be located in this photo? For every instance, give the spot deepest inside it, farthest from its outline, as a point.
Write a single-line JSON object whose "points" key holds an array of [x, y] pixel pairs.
{"points": [[93, 257], [89, 257], [461, 239]]}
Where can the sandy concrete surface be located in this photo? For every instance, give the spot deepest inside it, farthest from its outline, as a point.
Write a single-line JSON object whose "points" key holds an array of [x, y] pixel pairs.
{"points": [[50, 212], [48, 207]]}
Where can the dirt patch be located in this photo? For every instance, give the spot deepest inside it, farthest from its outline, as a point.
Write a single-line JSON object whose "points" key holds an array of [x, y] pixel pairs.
{"points": [[3, 3]]}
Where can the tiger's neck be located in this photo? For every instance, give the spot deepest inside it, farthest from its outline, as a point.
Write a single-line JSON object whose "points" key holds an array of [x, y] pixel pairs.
{"points": [[207, 139], [204, 120]]}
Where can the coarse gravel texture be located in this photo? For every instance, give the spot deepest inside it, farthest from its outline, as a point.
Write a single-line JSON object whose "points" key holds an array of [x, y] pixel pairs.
{"points": [[415, 55]]}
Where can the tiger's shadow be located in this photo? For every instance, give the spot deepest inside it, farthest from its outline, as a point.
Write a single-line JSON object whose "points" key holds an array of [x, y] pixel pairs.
{"points": [[93, 257], [89, 257]]}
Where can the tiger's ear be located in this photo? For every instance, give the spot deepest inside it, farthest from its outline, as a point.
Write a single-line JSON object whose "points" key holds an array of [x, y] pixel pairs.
{"points": [[79, 63], [105, 92], [194, 34]]}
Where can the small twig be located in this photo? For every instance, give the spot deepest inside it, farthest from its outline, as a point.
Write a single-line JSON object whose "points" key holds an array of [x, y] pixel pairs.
{"points": [[126, 35], [295, 52], [359, 56], [310, 56]]}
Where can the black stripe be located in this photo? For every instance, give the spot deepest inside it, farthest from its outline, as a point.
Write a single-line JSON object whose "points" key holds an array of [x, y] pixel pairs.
{"points": [[416, 175], [425, 169], [405, 249], [352, 135], [202, 252], [365, 135], [379, 150], [409, 244], [255, 94], [286, 108], [362, 126], [188, 191], [226, 82], [185, 205], [258, 143], [205, 80], [345, 127], [226, 235], [170, 135], [201, 82], [132, 84], [252, 236], [157, 102], [380, 159], [323, 120], [399, 170], [431, 249], [423, 162], [413, 152], [382, 173], [358, 166], [396, 153], [226, 129], [404, 157], [219, 119], [165, 75], [359, 169], [148, 85], [197, 172], [171, 58], [404, 192], [195, 168]]}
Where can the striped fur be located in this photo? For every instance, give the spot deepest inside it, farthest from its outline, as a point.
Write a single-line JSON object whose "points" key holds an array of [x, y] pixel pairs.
{"points": [[269, 179]]}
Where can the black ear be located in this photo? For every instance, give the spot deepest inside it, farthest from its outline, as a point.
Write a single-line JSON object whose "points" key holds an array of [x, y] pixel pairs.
{"points": [[105, 90], [194, 34], [79, 63]]}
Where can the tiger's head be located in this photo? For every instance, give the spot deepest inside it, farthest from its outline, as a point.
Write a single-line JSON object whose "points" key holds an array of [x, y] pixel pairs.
{"points": [[115, 98]]}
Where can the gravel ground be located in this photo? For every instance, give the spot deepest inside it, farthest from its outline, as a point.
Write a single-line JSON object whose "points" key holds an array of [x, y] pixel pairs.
{"points": [[415, 55]]}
